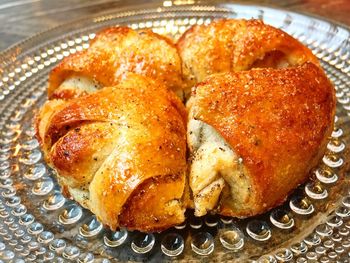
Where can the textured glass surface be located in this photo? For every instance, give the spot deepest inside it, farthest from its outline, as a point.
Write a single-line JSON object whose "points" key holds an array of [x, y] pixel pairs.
{"points": [[38, 224]]}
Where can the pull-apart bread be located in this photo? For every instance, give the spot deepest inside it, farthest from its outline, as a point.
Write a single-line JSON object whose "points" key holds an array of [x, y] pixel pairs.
{"points": [[114, 130]]}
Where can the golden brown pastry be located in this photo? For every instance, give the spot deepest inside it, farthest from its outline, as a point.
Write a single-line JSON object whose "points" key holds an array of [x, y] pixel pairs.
{"points": [[120, 152], [115, 132], [254, 136], [235, 45], [114, 52]]}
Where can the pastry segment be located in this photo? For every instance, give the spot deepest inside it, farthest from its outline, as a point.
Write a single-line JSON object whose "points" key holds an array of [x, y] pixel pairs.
{"points": [[116, 51], [121, 152], [237, 44], [259, 132]]}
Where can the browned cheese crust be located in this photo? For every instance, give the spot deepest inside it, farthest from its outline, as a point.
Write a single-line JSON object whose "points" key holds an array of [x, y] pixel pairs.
{"points": [[277, 120], [120, 152], [235, 45], [116, 51]]}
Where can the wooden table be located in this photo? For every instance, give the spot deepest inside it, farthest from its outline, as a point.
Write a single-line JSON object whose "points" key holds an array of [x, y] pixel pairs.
{"points": [[20, 19]]}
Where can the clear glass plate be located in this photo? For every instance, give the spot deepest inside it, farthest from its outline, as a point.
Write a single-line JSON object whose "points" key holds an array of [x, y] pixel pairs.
{"points": [[37, 224]]}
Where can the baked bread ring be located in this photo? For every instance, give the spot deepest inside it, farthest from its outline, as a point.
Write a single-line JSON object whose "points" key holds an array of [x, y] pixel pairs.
{"points": [[120, 152], [112, 53], [255, 135], [115, 132], [235, 45]]}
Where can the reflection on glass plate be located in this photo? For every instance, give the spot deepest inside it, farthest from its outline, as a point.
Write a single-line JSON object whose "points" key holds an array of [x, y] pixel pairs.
{"points": [[38, 224]]}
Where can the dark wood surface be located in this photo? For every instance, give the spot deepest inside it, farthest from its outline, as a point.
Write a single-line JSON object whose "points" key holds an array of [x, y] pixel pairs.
{"points": [[20, 19]]}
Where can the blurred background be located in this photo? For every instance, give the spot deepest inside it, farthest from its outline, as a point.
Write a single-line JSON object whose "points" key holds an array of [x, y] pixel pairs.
{"points": [[19, 19]]}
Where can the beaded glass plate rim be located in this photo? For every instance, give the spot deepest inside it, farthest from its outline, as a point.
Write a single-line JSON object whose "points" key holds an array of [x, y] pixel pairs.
{"points": [[281, 254], [145, 8]]}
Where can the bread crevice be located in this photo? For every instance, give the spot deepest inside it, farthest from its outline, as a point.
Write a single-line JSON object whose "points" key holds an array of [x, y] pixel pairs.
{"points": [[215, 166]]}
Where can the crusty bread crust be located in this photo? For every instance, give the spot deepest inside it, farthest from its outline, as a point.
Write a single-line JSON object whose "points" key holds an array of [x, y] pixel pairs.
{"points": [[235, 45], [277, 120], [121, 145], [118, 50]]}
